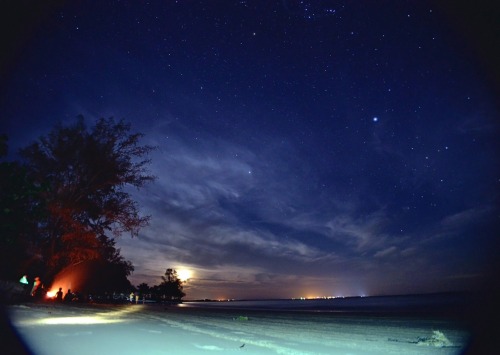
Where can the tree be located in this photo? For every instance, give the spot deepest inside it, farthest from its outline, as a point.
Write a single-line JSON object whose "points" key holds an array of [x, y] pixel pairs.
{"points": [[170, 288], [113, 257], [143, 289], [87, 173]]}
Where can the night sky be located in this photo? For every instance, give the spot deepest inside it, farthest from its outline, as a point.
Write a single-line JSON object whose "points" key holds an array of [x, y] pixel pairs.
{"points": [[305, 148]]}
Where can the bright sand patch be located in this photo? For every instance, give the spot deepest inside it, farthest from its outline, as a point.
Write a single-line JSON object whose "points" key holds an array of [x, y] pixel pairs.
{"points": [[154, 329]]}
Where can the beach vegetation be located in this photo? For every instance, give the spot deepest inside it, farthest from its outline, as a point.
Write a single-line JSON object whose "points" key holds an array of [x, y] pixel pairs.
{"points": [[170, 289], [143, 289]]}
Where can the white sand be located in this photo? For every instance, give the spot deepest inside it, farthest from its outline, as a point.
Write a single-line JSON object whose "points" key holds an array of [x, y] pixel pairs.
{"points": [[153, 329]]}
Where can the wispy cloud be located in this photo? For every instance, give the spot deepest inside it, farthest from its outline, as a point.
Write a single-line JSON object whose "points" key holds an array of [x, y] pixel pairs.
{"points": [[243, 211], [359, 234], [386, 252], [464, 218]]}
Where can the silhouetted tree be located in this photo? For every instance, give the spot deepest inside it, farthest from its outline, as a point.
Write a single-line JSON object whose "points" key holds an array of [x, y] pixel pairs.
{"points": [[171, 287], [143, 289], [112, 255], [86, 172]]}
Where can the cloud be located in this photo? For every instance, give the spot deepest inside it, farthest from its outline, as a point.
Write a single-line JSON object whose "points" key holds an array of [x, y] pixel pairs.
{"points": [[385, 252], [217, 204], [364, 232], [464, 218], [189, 179], [358, 232], [263, 243], [464, 223], [245, 213]]}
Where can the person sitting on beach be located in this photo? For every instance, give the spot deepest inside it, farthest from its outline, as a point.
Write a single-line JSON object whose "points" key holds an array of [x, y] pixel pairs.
{"points": [[59, 295], [69, 296]]}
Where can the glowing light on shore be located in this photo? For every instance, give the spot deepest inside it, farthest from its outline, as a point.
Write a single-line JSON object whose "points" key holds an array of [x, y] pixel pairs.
{"points": [[64, 280], [118, 316]]}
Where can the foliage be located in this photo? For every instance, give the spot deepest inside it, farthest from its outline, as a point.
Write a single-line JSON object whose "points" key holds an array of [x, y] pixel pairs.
{"points": [[170, 289], [143, 288], [86, 173], [112, 255]]}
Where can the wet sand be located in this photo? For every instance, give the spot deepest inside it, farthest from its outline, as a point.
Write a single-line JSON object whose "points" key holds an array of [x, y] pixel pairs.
{"points": [[49, 328]]}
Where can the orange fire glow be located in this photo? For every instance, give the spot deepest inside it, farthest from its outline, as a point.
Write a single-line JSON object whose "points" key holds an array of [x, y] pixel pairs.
{"points": [[65, 280]]}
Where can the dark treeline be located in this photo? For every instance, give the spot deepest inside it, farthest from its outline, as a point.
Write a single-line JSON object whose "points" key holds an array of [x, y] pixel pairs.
{"points": [[170, 290]]}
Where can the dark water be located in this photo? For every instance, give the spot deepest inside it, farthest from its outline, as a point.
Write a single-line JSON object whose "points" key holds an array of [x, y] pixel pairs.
{"points": [[429, 303]]}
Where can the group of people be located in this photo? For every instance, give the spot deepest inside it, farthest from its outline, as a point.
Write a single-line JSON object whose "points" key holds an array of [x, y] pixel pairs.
{"points": [[37, 290], [67, 298], [135, 297]]}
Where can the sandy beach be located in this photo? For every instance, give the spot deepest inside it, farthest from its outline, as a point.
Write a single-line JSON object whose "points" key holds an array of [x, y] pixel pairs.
{"points": [[49, 328]]}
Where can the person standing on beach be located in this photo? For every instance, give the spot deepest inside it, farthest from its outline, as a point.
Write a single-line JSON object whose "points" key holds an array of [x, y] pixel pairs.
{"points": [[59, 295], [24, 280], [36, 286], [25, 284]]}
